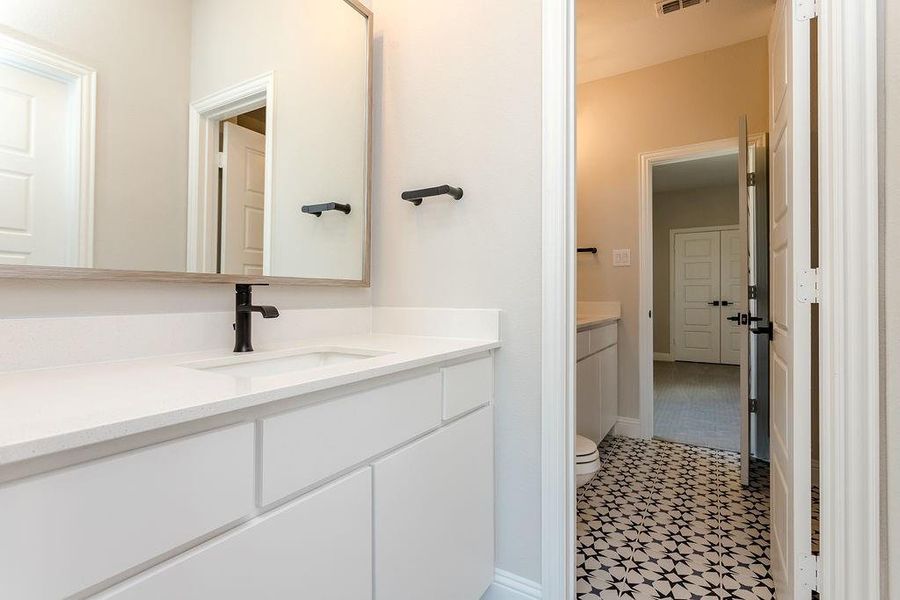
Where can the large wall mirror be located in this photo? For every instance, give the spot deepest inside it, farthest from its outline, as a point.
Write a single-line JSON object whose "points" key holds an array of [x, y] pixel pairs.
{"points": [[214, 140]]}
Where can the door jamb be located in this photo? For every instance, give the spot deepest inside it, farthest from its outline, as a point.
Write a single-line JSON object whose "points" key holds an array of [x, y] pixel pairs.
{"points": [[849, 317], [82, 81], [672, 234], [203, 185]]}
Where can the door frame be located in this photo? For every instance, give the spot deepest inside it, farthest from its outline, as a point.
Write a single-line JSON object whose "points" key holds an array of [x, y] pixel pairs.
{"points": [[203, 166], [82, 82], [850, 362], [672, 234]]}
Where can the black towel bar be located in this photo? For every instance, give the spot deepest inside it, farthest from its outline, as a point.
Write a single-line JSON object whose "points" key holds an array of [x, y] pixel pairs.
{"points": [[416, 196], [318, 209]]}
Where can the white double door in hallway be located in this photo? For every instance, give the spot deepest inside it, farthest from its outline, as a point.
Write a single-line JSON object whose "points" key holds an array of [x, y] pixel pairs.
{"points": [[707, 286]]}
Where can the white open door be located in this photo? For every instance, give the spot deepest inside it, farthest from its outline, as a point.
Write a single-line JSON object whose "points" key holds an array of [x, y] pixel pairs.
{"points": [[789, 261], [36, 207], [741, 327], [243, 201]]}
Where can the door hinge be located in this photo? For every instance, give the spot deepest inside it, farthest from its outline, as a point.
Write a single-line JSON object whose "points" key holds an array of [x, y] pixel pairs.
{"points": [[220, 160], [808, 286], [804, 10], [752, 292], [754, 405], [751, 179], [810, 572]]}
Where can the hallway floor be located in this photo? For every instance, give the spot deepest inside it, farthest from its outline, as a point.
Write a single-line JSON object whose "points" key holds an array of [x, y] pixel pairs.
{"points": [[697, 404], [668, 520]]}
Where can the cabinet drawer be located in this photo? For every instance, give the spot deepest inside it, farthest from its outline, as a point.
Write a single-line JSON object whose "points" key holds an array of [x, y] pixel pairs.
{"points": [[68, 530], [603, 337], [307, 445], [467, 386], [582, 344], [317, 547], [434, 514]]}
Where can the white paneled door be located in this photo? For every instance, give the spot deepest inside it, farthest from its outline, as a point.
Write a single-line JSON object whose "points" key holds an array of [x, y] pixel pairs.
{"points": [[733, 291], [789, 256], [243, 200], [697, 280], [35, 207]]}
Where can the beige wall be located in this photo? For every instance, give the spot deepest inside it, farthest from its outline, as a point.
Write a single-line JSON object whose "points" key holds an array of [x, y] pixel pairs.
{"points": [[705, 207], [891, 272], [694, 99]]}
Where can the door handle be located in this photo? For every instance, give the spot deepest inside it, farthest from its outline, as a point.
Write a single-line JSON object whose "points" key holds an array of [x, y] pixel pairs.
{"points": [[765, 330], [742, 318], [726, 303], [713, 303]]}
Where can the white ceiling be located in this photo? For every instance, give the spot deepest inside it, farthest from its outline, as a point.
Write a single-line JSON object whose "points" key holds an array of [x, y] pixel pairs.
{"points": [[702, 173], [617, 36]]}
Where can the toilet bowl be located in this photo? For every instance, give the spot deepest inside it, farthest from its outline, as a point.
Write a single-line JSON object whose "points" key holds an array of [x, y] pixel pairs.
{"points": [[587, 460]]}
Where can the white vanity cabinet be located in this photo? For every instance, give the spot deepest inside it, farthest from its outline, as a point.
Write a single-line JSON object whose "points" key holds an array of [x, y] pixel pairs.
{"points": [[433, 528], [596, 381], [379, 491], [319, 546]]}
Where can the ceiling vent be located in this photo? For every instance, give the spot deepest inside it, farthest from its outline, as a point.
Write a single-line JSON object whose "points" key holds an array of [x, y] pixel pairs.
{"points": [[666, 7]]}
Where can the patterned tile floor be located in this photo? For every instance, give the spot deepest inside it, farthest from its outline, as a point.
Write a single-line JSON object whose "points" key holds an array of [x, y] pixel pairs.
{"points": [[667, 520]]}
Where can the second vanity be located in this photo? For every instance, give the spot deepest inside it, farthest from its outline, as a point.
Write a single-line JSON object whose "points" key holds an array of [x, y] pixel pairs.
{"points": [[596, 369], [344, 467]]}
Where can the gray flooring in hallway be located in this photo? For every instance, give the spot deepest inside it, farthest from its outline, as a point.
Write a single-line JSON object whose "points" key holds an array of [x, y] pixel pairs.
{"points": [[697, 404]]}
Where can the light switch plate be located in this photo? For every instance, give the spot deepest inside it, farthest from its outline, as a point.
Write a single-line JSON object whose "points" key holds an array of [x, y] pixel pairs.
{"points": [[622, 257]]}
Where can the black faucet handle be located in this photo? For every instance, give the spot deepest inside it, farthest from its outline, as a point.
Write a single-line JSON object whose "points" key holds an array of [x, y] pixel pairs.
{"points": [[267, 312]]}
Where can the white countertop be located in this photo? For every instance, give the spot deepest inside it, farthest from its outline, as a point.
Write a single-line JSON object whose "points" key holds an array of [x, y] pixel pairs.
{"points": [[584, 322], [43, 411]]}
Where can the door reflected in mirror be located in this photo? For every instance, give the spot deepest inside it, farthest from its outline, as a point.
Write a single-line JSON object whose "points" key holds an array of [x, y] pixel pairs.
{"points": [[186, 136]]}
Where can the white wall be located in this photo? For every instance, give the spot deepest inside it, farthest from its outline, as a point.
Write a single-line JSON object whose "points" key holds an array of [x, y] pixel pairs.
{"points": [[140, 51], [318, 51], [459, 92]]}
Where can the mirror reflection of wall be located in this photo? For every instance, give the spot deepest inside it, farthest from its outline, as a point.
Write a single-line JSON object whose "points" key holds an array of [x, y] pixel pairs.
{"points": [[173, 87]]}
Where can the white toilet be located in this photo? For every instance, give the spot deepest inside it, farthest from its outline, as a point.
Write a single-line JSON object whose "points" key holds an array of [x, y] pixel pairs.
{"points": [[587, 460]]}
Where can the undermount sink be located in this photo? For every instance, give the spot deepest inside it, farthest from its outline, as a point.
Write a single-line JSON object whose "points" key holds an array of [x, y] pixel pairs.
{"points": [[270, 364]]}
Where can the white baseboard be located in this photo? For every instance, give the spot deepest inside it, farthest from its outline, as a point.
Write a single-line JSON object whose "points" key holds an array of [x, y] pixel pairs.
{"points": [[509, 586], [628, 427], [663, 356]]}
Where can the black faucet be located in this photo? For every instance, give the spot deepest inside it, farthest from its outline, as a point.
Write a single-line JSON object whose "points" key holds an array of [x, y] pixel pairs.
{"points": [[243, 309]]}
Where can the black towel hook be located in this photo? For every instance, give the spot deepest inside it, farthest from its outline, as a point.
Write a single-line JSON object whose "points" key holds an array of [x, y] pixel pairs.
{"points": [[416, 196]]}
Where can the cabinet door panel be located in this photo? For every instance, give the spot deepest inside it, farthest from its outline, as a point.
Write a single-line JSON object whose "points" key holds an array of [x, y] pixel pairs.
{"points": [[434, 515], [609, 387], [589, 414], [317, 547], [68, 530]]}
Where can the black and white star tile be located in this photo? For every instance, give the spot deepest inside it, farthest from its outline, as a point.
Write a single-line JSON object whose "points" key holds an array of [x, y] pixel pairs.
{"points": [[666, 520]]}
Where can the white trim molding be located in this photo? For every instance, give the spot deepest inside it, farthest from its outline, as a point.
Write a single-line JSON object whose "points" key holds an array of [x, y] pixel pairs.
{"points": [[558, 301], [203, 184], [628, 427], [509, 586], [849, 358], [648, 160], [82, 81]]}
